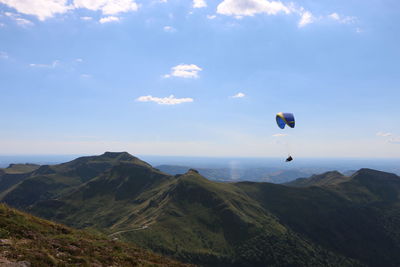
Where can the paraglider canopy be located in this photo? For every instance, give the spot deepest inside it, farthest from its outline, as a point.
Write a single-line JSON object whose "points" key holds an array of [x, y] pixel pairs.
{"points": [[283, 119]]}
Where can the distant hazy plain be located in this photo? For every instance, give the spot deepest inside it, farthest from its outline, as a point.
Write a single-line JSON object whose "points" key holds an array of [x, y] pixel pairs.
{"points": [[310, 165]]}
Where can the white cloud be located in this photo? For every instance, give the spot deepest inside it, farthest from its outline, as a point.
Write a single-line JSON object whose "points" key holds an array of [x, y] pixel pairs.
{"points": [[171, 100], [279, 135], [184, 71], [79, 60], [334, 16], [211, 16], [240, 8], [42, 9], [306, 18], [239, 95], [199, 3], [169, 29], [86, 76], [86, 18], [20, 21], [3, 55], [23, 22], [108, 19], [342, 19], [394, 140], [54, 64], [383, 134], [107, 7]]}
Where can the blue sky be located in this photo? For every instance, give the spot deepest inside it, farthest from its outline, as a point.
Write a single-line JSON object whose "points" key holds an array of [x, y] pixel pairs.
{"points": [[200, 78]]}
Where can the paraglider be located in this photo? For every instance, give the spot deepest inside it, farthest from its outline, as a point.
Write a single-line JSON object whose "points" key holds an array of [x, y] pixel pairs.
{"points": [[283, 119]]}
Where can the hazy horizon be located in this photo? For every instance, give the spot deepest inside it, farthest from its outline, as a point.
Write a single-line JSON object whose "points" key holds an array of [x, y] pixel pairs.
{"points": [[311, 165]]}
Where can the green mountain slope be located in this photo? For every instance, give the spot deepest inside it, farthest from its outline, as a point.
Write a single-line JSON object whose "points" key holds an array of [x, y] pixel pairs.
{"points": [[51, 181], [20, 168], [328, 178], [187, 216], [14, 174], [358, 218], [121, 197], [29, 241], [326, 220], [217, 224]]}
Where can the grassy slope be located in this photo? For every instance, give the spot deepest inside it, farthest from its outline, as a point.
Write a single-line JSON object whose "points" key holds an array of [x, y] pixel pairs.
{"points": [[216, 223], [120, 198], [328, 178], [187, 216], [14, 174], [42, 243], [358, 218], [20, 168]]}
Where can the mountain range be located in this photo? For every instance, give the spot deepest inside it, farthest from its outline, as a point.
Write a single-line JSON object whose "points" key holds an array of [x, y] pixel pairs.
{"points": [[325, 220]]}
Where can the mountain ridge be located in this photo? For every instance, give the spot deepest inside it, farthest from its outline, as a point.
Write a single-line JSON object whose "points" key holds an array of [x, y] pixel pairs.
{"points": [[330, 219]]}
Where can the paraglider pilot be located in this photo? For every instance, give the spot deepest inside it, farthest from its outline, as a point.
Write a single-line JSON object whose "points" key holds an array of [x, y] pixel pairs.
{"points": [[289, 159]]}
